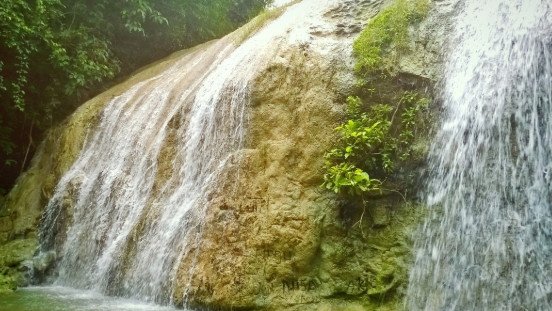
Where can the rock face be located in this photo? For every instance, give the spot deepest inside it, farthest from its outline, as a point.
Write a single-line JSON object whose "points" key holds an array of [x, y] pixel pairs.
{"points": [[272, 239]]}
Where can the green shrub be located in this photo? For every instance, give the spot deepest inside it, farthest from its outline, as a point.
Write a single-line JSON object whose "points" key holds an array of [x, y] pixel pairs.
{"points": [[374, 140], [371, 143]]}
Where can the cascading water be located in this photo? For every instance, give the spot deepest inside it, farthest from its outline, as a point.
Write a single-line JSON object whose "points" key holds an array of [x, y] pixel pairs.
{"points": [[128, 229], [132, 219], [487, 244]]}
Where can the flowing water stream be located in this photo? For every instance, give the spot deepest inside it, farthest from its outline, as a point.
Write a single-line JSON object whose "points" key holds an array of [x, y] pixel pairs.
{"points": [[487, 244], [131, 206]]}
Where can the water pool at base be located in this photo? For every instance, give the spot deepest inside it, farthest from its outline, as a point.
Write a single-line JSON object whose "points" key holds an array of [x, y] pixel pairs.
{"points": [[67, 299]]}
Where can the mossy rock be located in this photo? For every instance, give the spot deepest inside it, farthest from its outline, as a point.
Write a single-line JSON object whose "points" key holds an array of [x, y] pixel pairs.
{"points": [[8, 283], [386, 37], [12, 254], [15, 252]]}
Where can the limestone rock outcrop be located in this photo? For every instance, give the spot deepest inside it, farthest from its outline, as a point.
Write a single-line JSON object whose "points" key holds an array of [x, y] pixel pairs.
{"points": [[272, 238]]}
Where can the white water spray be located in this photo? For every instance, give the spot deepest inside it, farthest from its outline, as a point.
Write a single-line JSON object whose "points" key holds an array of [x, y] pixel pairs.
{"points": [[487, 244]]}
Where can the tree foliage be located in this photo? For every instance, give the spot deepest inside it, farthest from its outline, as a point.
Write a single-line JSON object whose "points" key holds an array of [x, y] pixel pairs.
{"points": [[56, 53]]}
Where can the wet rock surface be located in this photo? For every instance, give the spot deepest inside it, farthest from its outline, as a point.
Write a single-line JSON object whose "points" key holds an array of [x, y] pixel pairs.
{"points": [[12, 262], [272, 238]]}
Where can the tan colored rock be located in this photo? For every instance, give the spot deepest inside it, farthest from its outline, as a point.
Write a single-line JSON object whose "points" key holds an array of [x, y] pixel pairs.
{"points": [[272, 238]]}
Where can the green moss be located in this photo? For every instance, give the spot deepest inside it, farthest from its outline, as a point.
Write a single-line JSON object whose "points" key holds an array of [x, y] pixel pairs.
{"points": [[8, 282], [380, 131], [368, 263], [12, 254], [387, 36]]}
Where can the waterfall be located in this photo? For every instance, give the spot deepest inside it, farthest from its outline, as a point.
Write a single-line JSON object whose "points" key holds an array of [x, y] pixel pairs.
{"points": [[132, 204], [487, 243]]}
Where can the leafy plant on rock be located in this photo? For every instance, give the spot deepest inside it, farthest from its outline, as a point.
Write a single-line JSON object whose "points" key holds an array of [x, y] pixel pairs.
{"points": [[376, 138], [371, 142]]}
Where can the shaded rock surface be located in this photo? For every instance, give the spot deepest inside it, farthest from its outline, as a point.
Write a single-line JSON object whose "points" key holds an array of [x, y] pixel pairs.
{"points": [[272, 238]]}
